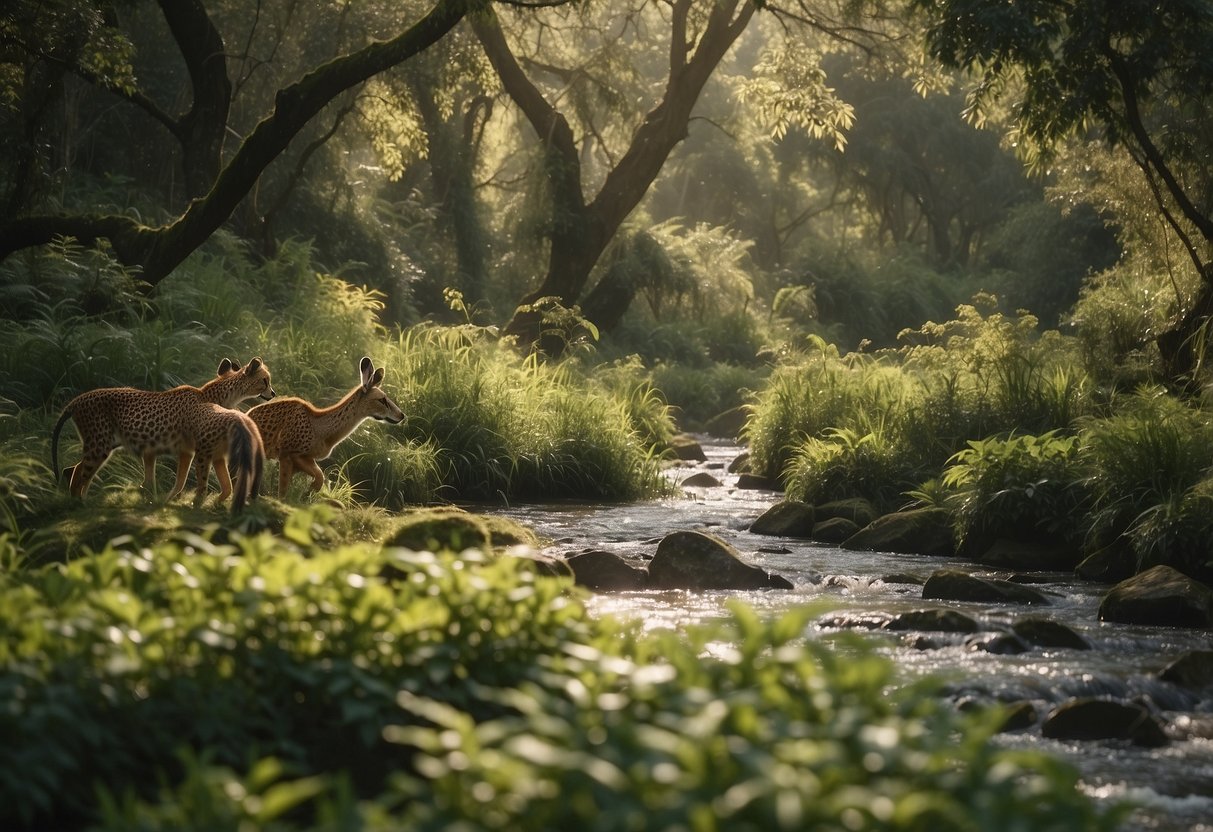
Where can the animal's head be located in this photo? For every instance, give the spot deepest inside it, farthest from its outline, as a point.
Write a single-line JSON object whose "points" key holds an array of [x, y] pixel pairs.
{"points": [[375, 403], [251, 381]]}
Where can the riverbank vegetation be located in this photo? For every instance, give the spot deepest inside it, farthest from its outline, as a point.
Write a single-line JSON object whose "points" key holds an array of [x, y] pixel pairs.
{"points": [[295, 682]]}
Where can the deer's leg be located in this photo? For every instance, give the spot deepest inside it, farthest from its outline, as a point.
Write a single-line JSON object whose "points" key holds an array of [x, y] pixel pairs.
{"points": [[309, 466]]}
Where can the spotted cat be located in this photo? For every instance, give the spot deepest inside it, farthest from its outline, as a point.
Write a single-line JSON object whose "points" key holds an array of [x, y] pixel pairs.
{"points": [[151, 423]]}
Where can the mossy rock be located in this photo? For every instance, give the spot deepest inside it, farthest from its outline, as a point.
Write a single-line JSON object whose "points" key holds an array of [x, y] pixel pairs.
{"points": [[833, 530], [1044, 632], [787, 518], [1160, 597], [1089, 718], [687, 448], [506, 532], [921, 531], [441, 529], [958, 585]]}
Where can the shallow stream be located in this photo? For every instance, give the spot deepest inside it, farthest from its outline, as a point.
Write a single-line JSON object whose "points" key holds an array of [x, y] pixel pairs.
{"points": [[1173, 786]]}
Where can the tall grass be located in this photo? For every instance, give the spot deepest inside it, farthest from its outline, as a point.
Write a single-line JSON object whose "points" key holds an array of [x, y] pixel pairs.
{"points": [[1149, 473], [978, 375], [511, 427]]}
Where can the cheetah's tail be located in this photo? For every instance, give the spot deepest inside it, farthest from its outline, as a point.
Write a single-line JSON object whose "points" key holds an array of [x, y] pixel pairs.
{"points": [[247, 460], [63, 417]]}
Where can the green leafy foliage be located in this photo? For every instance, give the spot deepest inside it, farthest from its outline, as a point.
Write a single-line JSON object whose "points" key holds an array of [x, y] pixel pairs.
{"points": [[1149, 475], [507, 426], [1023, 487], [154, 677]]}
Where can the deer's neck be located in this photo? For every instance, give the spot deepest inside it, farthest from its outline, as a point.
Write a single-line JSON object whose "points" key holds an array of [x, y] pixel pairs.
{"points": [[335, 423]]}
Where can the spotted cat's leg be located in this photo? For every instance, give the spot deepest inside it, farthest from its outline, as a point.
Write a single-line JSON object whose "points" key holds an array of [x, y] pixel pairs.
{"points": [[183, 470], [84, 471], [202, 474], [308, 466], [149, 472], [225, 480]]}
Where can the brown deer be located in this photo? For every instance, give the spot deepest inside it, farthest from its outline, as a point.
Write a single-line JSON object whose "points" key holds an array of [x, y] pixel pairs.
{"points": [[297, 433]]}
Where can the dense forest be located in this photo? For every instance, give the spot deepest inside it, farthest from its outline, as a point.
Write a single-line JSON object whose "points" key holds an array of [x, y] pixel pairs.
{"points": [[947, 258]]}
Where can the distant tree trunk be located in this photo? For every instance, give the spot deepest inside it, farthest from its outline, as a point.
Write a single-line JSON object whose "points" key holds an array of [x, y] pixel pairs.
{"points": [[201, 130], [1184, 345], [450, 163], [580, 230], [159, 250]]}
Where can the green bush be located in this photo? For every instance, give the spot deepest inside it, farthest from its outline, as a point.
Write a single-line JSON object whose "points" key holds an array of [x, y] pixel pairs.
{"points": [[397, 689], [519, 427], [1024, 487], [846, 464], [1149, 470]]}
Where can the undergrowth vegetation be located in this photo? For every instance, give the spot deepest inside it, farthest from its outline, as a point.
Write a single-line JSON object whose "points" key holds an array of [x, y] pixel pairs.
{"points": [[1001, 424], [482, 422], [289, 683]]}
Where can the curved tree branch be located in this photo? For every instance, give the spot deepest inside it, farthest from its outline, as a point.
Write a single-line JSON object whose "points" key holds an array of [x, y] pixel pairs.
{"points": [[159, 250]]}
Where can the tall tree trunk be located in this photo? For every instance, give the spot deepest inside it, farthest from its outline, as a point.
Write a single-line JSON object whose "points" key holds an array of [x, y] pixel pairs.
{"points": [[450, 163], [201, 130], [581, 230]]}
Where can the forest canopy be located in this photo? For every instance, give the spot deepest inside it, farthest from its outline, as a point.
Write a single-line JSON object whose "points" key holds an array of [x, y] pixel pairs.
{"points": [[866, 160]]}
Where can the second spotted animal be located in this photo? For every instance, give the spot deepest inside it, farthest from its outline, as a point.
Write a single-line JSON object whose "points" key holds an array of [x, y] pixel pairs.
{"points": [[298, 434]]}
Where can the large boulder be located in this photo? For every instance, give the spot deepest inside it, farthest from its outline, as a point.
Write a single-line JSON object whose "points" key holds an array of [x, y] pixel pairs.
{"points": [[1104, 719], [920, 531], [957, 585], [757, 482], [701, 480], [606, 572], [1111, 564], [1044, 632], [1160, 596], [833, 530], [939, 621], [687, 448], [787, 518], [856, 509], [1018, 554], [1193, 670], [694, 560]]}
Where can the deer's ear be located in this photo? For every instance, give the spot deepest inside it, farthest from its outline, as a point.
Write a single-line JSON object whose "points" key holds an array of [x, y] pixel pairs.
{"points": [[365, 368], [377, 378], [253, 366], [226, 366]]}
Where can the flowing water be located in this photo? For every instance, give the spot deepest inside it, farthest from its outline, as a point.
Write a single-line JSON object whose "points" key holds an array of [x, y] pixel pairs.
{"points": [[1173, 786]]}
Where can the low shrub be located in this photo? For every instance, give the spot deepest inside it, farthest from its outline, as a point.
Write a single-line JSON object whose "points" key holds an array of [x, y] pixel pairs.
{"points": [[1149, 475], [1024, 487]]}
